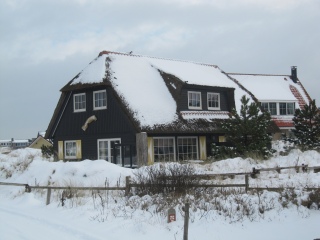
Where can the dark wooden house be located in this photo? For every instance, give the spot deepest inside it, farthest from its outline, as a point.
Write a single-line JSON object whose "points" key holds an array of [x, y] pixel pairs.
{"points": [[128, 108]]}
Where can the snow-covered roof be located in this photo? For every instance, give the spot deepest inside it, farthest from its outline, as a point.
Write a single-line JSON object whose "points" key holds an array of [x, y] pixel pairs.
{"points": [[137, 79], [271, 88]]}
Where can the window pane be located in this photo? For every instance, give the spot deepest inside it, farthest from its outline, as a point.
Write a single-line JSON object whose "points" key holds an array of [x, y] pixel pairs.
{"points": [[213, 100], [100, 99], [273, 108], [79, 102], [283, 108], [264, 106], [194, 99], [290, 108], [71, 149], [163, 149], [187, 148]]}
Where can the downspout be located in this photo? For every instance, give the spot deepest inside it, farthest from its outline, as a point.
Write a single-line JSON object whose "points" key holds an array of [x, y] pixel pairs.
{"points": [[64, 108]]}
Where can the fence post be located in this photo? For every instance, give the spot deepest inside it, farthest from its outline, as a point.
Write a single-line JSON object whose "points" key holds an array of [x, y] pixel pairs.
{"points": [[186, 221], [48, 195], [127, 191], [27, 188], [246, 178]]}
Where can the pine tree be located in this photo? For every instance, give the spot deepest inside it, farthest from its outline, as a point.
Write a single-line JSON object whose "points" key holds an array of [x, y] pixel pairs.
{"points": [[247, 132], [307, 126]]}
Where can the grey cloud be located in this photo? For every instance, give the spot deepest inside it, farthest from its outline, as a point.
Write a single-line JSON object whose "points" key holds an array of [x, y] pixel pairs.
{"points": [[45, 43]]}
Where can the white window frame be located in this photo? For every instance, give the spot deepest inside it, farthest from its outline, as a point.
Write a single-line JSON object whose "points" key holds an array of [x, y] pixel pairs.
{"points": [[94, 100], [278, 107], [286, 103], [194, 107], [174, 148], [65, 150], [109, 140], [74, 102], [197, 146], [215, 94]]}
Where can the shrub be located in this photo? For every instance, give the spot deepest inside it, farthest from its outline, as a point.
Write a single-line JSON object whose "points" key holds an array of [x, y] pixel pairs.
{"points": [[165, 179], [47, 151]]}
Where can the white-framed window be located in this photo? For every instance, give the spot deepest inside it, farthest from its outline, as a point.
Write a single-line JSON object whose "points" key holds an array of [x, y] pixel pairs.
{"points": [[187, 148], [70, 149], [164, 149], [194, 100], [279, 108], [107, 150], [271, 107], [286, 108], [213, 101], [79, 102], [99, 99]]}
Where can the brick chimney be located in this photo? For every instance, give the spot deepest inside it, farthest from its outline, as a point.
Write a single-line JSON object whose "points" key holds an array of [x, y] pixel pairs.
{"points": [[294, 75]]}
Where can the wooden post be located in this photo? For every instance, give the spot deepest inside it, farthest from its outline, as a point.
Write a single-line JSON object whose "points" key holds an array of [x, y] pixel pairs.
{"points": [[186, 221], [142, 149], [246, 182], [127, 191], [27, 188], [48, 195]]}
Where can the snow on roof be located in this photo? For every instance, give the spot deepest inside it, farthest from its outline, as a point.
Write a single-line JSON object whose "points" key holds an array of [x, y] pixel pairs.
{"points": [[205, 114], [144, 90], [270, 87], [93, 73], [137, 79]]}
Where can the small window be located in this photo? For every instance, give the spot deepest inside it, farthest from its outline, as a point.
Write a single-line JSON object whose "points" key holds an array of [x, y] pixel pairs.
{"points": [[99, 100], [194, 100], [270, 107], [70, 149], [187, 148], [79, 102], [286, 108], [213, 101], [163, 148]]}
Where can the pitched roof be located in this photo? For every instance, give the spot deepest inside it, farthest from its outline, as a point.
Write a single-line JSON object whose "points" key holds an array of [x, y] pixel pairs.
{"points": [[275, 88], [139, 82]]}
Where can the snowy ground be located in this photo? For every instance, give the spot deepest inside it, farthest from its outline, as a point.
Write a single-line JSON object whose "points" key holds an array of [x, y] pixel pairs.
{"points": [[25, 215]]}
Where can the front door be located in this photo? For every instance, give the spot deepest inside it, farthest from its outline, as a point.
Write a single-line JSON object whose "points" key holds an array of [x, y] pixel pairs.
{"points": [[106, 151]]}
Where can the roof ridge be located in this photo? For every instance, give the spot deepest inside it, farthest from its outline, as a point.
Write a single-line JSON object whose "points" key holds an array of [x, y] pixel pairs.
{"points": [[161, 58], [259, 74]]}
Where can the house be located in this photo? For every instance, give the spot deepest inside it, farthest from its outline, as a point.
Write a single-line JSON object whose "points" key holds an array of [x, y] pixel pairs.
{"points": [[278, 94], [14, 143], [39, 142], [126, 108]]}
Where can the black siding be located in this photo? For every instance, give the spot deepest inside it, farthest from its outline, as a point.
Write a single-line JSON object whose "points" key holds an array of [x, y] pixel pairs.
{"points": [[111, 123], [226, 97]]}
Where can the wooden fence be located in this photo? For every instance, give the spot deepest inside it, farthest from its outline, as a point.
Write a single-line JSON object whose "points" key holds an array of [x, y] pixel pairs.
{"points": [[129, 185]]}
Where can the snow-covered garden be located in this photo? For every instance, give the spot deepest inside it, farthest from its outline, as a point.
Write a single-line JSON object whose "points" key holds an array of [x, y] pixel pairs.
{"points": [[218, 213]]}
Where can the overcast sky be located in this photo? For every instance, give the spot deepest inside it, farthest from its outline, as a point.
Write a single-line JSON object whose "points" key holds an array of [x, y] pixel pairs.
{"points": [[44, 44]]}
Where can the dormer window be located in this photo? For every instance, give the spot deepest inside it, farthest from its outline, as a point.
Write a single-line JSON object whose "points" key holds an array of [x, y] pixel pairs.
{"points": [[79, 102], [286, 108], [213, 101], [99, 100], [271, 107], [279, 108], [194, 100]]}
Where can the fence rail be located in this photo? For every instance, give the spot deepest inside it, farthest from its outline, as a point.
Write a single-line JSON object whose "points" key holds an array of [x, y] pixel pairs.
{"points": [[129, 184]]}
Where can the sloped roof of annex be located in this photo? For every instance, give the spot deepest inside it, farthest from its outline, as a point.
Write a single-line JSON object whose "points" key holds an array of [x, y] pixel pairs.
{"points": [[275, 88]]}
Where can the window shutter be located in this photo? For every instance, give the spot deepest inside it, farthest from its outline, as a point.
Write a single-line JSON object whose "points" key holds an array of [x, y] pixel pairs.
{"points": [[79, 150], [222, 139], [150, 151], [60, 150], [203, 148]]}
